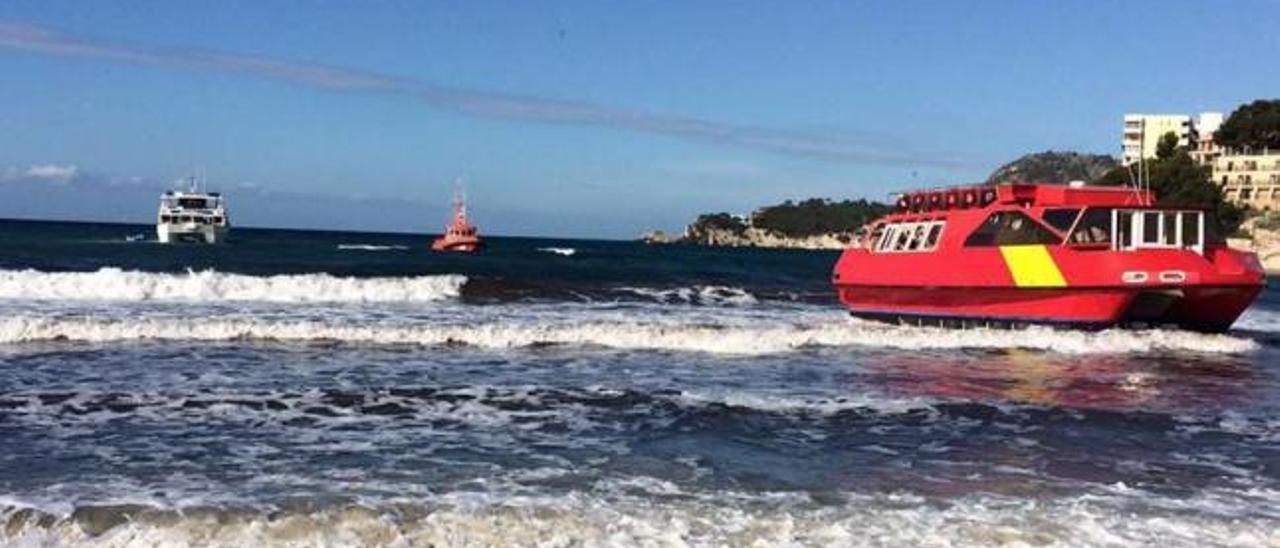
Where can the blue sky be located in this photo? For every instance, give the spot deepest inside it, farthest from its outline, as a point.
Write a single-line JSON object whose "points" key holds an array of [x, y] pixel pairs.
{"points": [[591, 118]]}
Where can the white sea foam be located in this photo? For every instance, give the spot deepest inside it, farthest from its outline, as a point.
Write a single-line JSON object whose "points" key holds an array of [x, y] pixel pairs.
{"points": [[728, 518], [702, 294], [113, 284], [656, 334], [566, 251], [371, 247]]}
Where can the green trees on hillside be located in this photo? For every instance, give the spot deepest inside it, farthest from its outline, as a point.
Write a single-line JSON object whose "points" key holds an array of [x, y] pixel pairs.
{"points": [[817, 216], [720, 221], [1254, 126], [789, 219], [1178, 180], [1060, 167]]}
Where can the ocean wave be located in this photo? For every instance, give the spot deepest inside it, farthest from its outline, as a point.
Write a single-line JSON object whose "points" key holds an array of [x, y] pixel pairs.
{"points": [[371, 247], [565, 251], [114, 284], [586, 407], [694, 335], [666, 519], [567, 411]]}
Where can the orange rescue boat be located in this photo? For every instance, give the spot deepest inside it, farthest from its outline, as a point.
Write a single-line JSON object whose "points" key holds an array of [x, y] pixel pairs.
{"points": [[459, 235]]}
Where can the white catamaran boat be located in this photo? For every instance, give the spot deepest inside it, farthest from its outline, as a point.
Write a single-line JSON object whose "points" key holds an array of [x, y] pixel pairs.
{"points": [[192, 216]]}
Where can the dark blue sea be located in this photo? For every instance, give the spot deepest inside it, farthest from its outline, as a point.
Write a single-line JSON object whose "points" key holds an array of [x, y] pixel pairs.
{"points": [[323, 388]]}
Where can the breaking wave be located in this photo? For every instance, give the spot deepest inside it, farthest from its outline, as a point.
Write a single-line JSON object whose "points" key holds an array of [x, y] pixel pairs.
{"points": [[732, 518], [766, 337], [114, 284]]}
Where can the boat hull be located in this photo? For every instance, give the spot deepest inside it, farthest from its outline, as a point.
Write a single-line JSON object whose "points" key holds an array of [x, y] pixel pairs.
{"points": [[1201, 308], [457, 246], [199, 234]]}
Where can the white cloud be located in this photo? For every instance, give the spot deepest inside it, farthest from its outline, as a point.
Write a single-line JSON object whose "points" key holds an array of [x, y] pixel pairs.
{"points": [[41, 173], [714, 168], [52, 173], [849, 146]]}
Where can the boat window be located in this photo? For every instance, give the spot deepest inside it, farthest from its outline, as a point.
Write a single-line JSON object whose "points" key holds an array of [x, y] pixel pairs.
{"points": [[191, 203], [934, 232], [886, 237], [1010, 228], [875, 235], [916, 236], [1166, 229], [1190, 226], [1151, 227], [904, 236], [1061, 219], [1124, 231], [1094, 227]]}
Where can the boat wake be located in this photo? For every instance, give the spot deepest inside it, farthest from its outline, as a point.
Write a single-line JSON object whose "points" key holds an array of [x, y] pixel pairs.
{"points": [[114, 284], [690, 334], [564, 251], [371, 247]]}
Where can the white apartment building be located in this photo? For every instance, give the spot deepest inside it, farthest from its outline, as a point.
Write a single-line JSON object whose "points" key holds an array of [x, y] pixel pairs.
{"points": [[1142, 133], [1250, 179], [1204, 147]]}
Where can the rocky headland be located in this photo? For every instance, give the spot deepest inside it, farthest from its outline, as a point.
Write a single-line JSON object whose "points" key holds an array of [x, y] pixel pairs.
{"points": [[810, 224]]}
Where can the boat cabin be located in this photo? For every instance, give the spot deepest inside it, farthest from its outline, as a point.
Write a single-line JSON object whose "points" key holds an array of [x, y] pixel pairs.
{"points": [[1084, 218]]}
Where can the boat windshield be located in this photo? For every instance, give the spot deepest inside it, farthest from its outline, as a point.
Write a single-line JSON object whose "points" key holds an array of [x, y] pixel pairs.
{"points": [[1010, 228]]}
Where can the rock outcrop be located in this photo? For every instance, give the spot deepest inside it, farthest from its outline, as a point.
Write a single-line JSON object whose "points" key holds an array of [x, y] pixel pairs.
{"points": [[1263, 238], [758, 237]]}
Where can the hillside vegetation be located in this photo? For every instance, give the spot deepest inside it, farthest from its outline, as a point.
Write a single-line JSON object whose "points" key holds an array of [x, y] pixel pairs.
{"points": [[1053, 167]]}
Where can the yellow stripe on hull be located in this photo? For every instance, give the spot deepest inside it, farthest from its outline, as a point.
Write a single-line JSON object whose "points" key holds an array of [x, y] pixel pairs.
{"points": [[1032, 266]]}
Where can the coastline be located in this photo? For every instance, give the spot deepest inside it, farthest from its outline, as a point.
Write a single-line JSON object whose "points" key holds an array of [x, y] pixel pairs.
{"points": [[753, 237]]}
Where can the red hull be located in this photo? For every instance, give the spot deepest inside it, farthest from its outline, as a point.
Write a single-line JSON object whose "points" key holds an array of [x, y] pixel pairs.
{"points": [[1200, 308], [458, 246]]}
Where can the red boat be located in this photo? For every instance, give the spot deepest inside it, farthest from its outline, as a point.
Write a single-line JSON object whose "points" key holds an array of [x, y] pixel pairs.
{"points": [[459, 235], [1016, 254]]}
